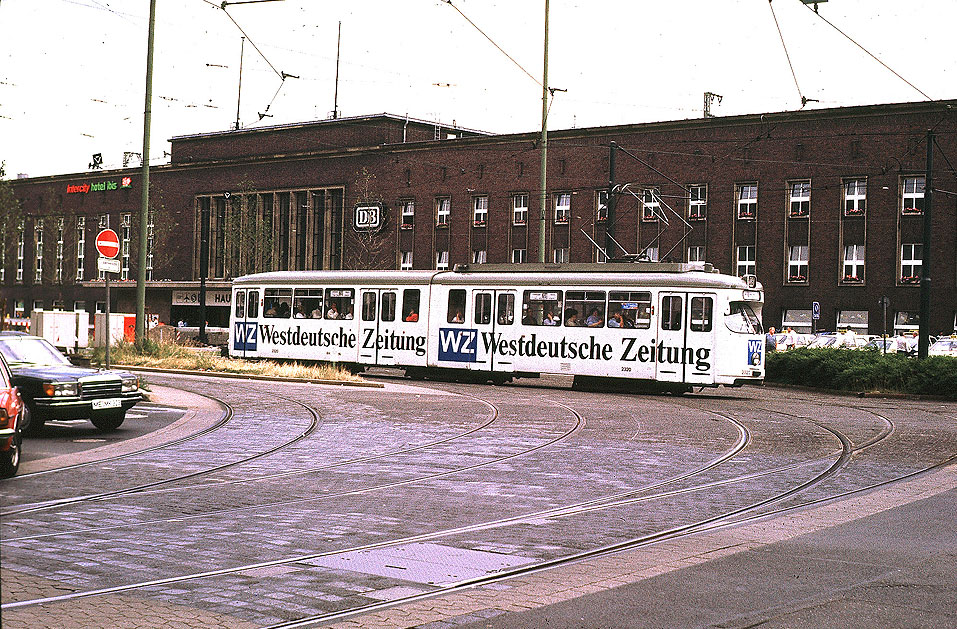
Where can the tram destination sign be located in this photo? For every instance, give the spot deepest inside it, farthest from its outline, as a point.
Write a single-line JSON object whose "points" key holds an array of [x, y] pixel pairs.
{"points": [[368, 217]]}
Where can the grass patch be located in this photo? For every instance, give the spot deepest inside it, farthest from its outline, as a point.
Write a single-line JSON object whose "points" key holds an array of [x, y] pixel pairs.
{"points": [[853, 370], [172, 356]]}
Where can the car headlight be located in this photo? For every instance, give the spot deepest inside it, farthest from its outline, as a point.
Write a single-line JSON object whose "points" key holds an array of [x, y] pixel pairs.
{"points": [[130, 384], [60, 389]]}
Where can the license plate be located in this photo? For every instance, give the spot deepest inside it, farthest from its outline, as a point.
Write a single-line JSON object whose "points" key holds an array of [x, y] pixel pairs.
{"points": [[101, 404]]}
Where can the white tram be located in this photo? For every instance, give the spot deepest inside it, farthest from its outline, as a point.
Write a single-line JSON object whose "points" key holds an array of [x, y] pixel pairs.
{"points": [[671, 325]]}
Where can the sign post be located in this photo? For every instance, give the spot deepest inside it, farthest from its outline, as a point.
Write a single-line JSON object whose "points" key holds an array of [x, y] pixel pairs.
{"points": [[815, 315], [884, 303], [108, 245]]}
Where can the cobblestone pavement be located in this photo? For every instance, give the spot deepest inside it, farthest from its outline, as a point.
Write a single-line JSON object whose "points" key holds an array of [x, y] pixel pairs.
{"points": [[312, 501]]}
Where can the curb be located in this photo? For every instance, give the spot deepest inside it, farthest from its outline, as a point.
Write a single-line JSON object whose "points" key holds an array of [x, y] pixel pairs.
{"points": [[223, 374]]}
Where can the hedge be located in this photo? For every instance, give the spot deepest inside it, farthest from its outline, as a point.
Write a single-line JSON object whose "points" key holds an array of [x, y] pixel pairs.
{"points": [[864, 371]]}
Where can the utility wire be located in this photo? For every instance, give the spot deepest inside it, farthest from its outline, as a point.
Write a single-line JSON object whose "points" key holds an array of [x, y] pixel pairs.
{"points": [[850, 39], [449, 2], [791, 65]]}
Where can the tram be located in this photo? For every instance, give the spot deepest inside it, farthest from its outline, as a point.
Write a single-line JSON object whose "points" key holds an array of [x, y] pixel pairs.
{"points": [[672, 326]]}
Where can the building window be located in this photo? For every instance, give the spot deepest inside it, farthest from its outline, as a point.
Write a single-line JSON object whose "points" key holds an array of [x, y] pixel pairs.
{"points": [[79, 306], [912, 259], [80, 246], [519, 209], [906, 321], [797, 263], [746, 260], [408, 214], [442, 260], [798, 320], [601, 212], [59, 251], [125, 221], [21, 235], [519, 255], [698, 202], [854, 320], [479, 211], [696, 253], [651, 253], [406, 261], [855, 197], [19, 309], [37, 305], [3, 251], [560, 255], [443, 208], [746, 197], [38, 241], [149, 245], [853, 263], [479, 256], [800, 199], [912, 195], [563, 207], [650, 205]]}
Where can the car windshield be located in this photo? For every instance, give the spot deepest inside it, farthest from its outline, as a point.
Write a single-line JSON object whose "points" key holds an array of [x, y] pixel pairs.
{"points": [[31, 350]]}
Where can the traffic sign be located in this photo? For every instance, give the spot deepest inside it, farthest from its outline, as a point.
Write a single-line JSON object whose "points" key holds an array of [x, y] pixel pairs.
{"points": [[816, 310], [109, 265], [108, 243]]}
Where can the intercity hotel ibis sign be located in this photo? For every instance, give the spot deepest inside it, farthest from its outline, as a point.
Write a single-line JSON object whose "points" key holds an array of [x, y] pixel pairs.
{"points": [[99, 186]]}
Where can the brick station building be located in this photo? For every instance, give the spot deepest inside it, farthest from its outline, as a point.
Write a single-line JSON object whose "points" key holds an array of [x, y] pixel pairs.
{"points": [[824, 205]]}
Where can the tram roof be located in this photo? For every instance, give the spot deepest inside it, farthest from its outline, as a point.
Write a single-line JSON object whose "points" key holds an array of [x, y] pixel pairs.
{"points": [[579, 274]]}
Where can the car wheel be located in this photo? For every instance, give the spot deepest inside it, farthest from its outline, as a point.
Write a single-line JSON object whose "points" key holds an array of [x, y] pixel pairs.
{"points": [[30, 423], [108, 421], [10, 460]]}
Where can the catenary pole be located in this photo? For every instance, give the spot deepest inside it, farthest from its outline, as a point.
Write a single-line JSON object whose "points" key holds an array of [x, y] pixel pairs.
{"points": [[543, 193], [924, 340], [610, 203], [145, 184]]}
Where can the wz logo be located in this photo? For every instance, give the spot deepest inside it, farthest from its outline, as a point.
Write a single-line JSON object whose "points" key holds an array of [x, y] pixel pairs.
{"points": [[754, 352], [245, 336], [458, 345]]}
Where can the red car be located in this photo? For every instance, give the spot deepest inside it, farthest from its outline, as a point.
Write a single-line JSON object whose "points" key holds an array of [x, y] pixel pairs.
{"points": [[11, 407]]}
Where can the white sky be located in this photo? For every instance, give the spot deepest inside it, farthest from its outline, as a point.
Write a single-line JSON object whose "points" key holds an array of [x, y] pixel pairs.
{"points": [[72, 72]]}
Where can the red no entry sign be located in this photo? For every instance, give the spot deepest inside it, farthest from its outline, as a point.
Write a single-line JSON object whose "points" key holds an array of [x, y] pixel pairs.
{"points": [[108, 243]]}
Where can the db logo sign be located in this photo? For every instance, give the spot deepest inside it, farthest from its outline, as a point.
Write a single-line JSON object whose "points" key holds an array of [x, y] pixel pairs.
{"points": [[368, 218]]}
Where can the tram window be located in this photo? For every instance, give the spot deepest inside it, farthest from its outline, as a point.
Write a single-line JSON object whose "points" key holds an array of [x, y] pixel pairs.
{"points": [[483, 308], [701, 314], [410, 305], [307, 303], [368, 306], [456, 313], [629, 310], [278, 302], [741, 319], [671, 312], [585, 308], [339, 303], [542, 307], [240, 305], [506, 309], [252, 304], [387, 309]]}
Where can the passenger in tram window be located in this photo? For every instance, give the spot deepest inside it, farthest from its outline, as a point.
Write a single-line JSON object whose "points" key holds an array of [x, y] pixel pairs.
{"points": [[616, 320], [348, 314], [594, 319], [458, 317], [550, 318], [283, 310], [412, 316], [333, 312], [317, 313], [271, 311], [298, 314], [571, 318]]}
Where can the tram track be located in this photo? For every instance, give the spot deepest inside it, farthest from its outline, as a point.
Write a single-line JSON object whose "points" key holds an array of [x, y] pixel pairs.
{"points": [[229, 411]]}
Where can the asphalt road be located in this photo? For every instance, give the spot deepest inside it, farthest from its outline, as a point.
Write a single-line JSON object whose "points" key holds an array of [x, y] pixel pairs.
{"points": [[441, 504]]}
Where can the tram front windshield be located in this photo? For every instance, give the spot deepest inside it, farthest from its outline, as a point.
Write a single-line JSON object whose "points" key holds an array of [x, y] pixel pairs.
{"points": [[741, 319]]}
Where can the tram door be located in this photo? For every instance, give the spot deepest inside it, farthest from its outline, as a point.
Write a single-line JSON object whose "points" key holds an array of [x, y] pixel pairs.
{"points": [[493, 317], [670, 349], [245, 327], [685, 350], [377, 321]]}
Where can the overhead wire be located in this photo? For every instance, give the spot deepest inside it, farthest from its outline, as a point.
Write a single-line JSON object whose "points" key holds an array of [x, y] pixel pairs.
{"points": [[786, 54]]}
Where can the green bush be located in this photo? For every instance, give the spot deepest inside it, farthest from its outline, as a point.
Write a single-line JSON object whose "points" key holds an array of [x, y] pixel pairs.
{"points": [[851, 370]]}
